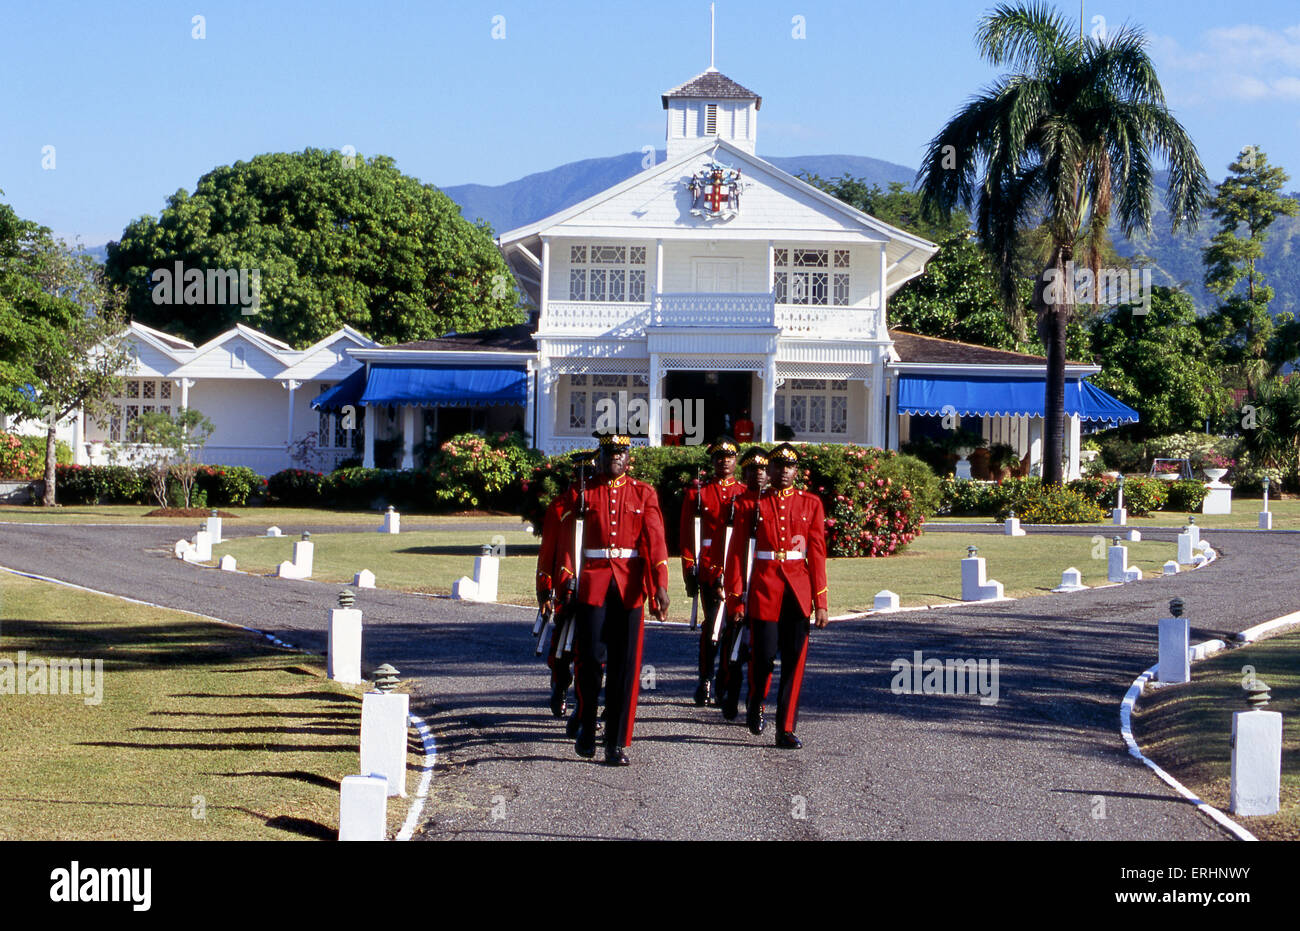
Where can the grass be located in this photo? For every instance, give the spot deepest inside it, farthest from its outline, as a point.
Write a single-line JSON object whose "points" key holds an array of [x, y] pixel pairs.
{"points": [[195, 718], [1187, 729], [290, 520], [1244, 516], [928, 572]]}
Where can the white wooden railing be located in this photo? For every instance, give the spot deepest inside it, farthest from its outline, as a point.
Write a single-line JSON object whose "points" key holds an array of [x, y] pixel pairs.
{"points": [[723, 310]]}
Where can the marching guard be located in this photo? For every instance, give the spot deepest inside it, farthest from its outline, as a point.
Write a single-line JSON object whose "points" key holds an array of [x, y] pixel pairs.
{"points": [[786, 586], [706, 513], [733, 654], [624, 557], [550, 583]]}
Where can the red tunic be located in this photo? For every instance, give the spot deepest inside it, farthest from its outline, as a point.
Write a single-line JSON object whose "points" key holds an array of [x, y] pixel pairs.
{"points": [[716, 497], [621, 513], [548, 554], [790, 520]]}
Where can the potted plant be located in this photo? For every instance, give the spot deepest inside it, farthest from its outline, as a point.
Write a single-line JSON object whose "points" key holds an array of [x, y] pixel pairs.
{"points": [[1002, 460], [1216, 466]]}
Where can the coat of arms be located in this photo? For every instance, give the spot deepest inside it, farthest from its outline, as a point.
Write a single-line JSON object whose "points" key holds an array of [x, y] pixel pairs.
{"points": [[715, 192]]}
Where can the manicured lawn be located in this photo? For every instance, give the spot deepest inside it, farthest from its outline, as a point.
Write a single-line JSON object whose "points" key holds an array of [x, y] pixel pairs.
{"points": [[195, 718], [927, 573], [290, 520], [1187, 729], [1244, 516]]}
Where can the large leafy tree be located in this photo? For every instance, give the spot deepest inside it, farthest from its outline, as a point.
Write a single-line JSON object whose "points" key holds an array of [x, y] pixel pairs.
{"points": [[1245, 205], [61, 332], [1065, 139], [334, 239], [1159, 363]]}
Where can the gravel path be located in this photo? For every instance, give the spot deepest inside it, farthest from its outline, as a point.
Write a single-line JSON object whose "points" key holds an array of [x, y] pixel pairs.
{"points": [[875, 765]]}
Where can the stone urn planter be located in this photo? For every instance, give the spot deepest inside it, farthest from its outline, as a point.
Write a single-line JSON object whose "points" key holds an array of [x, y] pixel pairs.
{"points": [[1214, 475]]}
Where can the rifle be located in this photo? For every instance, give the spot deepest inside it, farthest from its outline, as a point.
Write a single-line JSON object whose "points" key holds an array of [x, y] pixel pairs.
{"points": [[726, 547], [540, 626], [695, 569], [565, 634], [749, 576]]}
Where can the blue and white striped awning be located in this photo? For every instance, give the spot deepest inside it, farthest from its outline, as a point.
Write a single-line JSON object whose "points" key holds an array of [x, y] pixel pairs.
{"points": [[1004, 397]]}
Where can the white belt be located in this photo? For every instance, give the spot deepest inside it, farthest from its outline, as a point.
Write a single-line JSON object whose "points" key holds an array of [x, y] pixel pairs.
{"points": [[613, 552], [779, 555], [706, 543]]}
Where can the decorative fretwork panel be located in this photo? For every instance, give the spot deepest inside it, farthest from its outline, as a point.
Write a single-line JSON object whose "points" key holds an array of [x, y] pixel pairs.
{"points": [[799, 278], [604, 272]]}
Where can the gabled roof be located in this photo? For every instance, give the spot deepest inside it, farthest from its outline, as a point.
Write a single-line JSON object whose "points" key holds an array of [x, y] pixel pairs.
{"points": [[173, 346], [714, 85], [902, 237], [303, 365], [268, 345]]}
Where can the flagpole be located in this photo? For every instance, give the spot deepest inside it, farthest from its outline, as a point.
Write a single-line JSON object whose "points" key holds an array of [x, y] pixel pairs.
{"points": [[712, 32]]}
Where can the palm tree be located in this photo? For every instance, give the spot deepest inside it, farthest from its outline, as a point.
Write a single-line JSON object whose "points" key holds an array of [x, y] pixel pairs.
{"points": [[1065, 139]]}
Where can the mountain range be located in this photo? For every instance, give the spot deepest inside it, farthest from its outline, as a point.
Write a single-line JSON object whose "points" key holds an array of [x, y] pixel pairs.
{"points": [[1176, 259]]}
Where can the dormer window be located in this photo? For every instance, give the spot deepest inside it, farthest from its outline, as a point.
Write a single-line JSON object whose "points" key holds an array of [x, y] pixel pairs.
{"points": [[711, 119]]}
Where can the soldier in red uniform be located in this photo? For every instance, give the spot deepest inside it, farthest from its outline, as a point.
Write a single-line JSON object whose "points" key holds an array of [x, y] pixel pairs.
{"points": [[753, 470], [623, 554], [745, 427], [551, 577], [788, 584], [700, 565]]}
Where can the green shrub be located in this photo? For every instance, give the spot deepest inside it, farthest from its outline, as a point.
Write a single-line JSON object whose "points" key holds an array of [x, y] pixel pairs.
{"points": [[226, 486], [1185, 495], [1053, 504], [294, 488], [917, 477], [1123, 454], [1144, 494]]}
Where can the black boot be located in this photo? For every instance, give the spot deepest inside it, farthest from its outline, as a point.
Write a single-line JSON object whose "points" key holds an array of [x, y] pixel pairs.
{"points": [[559, 703], [585, 745], [703, 692], [754, 718], [571, 726]]}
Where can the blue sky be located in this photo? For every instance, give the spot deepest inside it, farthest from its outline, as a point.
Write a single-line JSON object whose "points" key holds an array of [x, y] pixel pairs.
{"points": [[136, 107]]}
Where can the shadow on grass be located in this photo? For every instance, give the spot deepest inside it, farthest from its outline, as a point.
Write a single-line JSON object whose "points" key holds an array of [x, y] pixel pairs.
{"points": [[298, 775]]}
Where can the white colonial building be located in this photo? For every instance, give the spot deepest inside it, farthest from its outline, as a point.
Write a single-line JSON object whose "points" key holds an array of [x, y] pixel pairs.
{"points": [[712, 280]]}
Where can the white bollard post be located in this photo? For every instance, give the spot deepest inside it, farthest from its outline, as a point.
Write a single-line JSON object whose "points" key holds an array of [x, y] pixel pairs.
{"points": [[383, 737], [486, 572], [885, 601], [364, 579], [392, 521], [1170, 568], [1116, 562], [974, 585], [464, 589], [1174, 644], [1186, 552], [1192, 529], [1012, 526], [182, 548], [1071, 581], [203, 546], [274, 532], [214, 527], [304, 553], [343, 657], [1119, 516], [227, 563], [1256, 756], [1265, 518], [363, 808]]}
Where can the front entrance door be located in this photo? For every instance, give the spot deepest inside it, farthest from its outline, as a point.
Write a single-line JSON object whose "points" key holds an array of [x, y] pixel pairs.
{"points": [[716, 401], [717, 276]]}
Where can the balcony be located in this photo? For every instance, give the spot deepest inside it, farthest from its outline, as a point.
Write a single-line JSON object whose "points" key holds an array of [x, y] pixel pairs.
{"points": [[714, 311]]}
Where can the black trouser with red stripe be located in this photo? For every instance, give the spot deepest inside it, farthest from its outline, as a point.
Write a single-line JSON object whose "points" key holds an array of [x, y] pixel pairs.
{"points": [[789, 637], [609, 634], [709, 602]]}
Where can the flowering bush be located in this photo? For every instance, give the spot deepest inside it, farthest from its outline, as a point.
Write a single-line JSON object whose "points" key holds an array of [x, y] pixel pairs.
{"points": [[79, 484], [1217, 461], [18, 459], [471, 470], [223, 486]]}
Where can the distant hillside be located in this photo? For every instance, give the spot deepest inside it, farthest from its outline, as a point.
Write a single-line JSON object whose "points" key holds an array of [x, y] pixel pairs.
{"points": [[507, 206]]}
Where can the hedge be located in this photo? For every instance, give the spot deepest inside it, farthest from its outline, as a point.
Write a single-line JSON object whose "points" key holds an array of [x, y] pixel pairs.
{"points": [[875, 500]]}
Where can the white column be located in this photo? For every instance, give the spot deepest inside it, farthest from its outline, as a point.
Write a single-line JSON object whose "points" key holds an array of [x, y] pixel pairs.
{"points": [[656, 426], [530, 405], [549, 397], [882, 323], [372, 424], [185, 385], [771, 266], [768, 429], [545, 296], [79, 454], [293, 387], [659, 266], [891, 380], [876, 403], [408, 437], [1072, 434]]}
